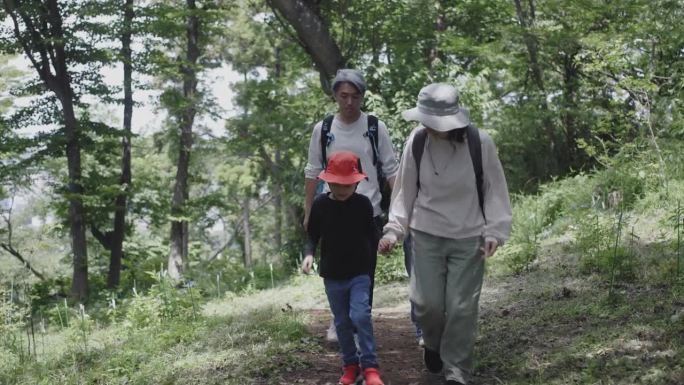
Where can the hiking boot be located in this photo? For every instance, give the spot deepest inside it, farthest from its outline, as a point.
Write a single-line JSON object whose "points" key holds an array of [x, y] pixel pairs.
{"points": [[372, 376], [433, 361], [331, 333], [351, 374]]}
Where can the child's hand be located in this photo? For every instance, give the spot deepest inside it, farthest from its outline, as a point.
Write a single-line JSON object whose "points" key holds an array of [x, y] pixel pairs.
{"points": [[307, 263], [385, 245]]}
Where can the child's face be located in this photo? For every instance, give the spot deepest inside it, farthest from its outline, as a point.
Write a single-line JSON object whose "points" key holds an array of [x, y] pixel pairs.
{"points": [[342, 192]]}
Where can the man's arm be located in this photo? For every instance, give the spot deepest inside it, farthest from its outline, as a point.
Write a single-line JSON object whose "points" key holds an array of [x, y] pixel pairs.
{"points": [[314, 166], [310, 186]]}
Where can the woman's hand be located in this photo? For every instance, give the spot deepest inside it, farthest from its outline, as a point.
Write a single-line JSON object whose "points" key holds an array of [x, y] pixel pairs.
{"points": [[307, 263], [489, 247], [386, 245]]}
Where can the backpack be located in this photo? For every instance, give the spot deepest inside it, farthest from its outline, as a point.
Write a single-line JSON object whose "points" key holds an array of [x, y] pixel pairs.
{"points": [[475, 147], [372, 135]]}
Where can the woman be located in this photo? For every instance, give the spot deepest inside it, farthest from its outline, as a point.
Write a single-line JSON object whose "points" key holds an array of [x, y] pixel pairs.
{"points": [[454, 225]]}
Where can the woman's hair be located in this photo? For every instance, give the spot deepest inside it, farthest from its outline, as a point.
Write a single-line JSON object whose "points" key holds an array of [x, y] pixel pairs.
{"points": [[457, 135]]}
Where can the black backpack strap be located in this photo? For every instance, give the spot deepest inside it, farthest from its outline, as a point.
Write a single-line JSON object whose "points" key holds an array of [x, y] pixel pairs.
{"points": [[417, 148], [325, 139], [475, 148], [373, 137]]}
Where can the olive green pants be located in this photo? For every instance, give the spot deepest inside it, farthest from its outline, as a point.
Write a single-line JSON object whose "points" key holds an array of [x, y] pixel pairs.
{"points": [[445, 288]]}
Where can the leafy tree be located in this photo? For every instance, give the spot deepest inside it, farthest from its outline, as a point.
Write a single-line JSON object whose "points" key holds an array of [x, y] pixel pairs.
{"points": [[39, 33], [178, 50]]}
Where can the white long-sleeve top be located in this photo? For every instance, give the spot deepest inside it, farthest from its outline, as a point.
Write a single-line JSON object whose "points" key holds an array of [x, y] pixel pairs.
{"points": [[446, 204], [353, 137]]}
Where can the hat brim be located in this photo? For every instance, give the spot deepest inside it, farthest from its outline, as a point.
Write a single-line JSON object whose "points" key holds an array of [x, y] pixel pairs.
{"points": [[438, 123], [339, 179]]}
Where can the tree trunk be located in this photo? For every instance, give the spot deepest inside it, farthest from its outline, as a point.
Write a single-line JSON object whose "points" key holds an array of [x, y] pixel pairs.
{"points": [[278, 202], [179, 227], [314, 36], [440, 27], [526, 20], [247, 233], [118, 234], [43, 44], [275, 172], [569, 157]]}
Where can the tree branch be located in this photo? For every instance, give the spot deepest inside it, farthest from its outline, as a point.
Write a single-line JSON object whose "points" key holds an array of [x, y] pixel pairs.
{"points": [[21, 259]]}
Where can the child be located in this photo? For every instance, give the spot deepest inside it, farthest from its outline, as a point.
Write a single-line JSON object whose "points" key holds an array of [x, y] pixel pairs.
{"points": [[343, 221]]}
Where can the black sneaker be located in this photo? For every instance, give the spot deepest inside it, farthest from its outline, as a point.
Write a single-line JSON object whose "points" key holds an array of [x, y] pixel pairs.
{"points": [[454, 382], [433, 361]]}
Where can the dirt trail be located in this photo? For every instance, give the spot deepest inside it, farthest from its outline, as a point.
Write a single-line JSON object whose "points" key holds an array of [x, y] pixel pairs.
{"points": [[399, 356]]}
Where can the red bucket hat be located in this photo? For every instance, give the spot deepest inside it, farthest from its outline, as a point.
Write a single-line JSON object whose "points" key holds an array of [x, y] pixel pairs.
{"points": [[344, 167]]}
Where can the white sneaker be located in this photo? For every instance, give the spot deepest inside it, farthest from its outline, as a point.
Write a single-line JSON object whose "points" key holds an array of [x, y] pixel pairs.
{"points": [[421, 342], [331, 333]]}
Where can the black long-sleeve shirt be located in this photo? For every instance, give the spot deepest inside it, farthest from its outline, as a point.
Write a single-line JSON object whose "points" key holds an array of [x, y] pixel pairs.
{"points": [[346, 231]]}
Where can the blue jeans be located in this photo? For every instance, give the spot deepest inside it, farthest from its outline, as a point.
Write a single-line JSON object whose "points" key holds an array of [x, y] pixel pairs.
{"points": [[348, 301], [408, 263]]}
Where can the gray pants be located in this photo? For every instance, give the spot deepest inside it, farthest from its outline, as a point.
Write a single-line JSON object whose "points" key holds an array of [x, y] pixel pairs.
{"points": [[445, 288]]}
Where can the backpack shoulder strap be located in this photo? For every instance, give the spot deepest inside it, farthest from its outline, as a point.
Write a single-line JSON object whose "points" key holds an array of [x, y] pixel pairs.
{"points": [[325, 139], [373, 136], [417, 148], [475, 147]]}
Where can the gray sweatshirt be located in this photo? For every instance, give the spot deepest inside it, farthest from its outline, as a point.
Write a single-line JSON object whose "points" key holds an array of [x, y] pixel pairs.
{"points": [[446, 204]]}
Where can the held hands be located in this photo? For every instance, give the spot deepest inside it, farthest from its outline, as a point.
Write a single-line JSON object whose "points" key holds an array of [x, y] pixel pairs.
{"points": [[386, 245], [307, 263], [489, 247]]}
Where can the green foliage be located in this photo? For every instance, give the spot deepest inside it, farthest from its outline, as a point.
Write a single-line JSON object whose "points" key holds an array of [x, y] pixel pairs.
{"points": [[12, 327], [390, 268], [173, 303], [599, 134], [9, 364], [622, 260]]}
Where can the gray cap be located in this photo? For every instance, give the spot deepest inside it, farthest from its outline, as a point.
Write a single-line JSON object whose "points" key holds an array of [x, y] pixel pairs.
{"points": [[438, 108], [352, 76]]}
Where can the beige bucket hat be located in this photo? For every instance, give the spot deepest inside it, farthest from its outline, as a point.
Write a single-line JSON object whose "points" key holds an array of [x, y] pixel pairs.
{"points": [[438, 108]]}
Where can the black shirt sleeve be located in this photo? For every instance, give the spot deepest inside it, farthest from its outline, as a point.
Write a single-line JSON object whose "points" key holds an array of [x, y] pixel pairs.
{"points": [[313, 230]]}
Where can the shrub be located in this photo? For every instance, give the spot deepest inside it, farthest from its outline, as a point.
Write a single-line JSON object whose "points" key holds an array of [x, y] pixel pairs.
{"points": [[391, 268], [624, 262], [9, 363]]}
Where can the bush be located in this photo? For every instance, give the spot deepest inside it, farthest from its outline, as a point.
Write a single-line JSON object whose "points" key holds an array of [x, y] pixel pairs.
{"points": [[391, 268], [623, 262], [9, 363]]}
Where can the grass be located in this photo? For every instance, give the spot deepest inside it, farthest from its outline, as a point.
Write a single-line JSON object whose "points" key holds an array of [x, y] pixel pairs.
{"points": [[550, 327], [233, 341]]}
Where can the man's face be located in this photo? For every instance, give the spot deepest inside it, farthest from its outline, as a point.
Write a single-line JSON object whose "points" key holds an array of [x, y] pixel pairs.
{"points": [[349, 101]]}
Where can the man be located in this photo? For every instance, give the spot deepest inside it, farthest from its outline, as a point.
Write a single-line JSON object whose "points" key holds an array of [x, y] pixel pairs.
{"points": [[349, 131]]}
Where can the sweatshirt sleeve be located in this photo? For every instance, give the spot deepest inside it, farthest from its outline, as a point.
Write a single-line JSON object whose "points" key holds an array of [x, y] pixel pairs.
{"points": [[314, 164], [497, 204], [313, 233], [390, 166], [403, 195]]}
